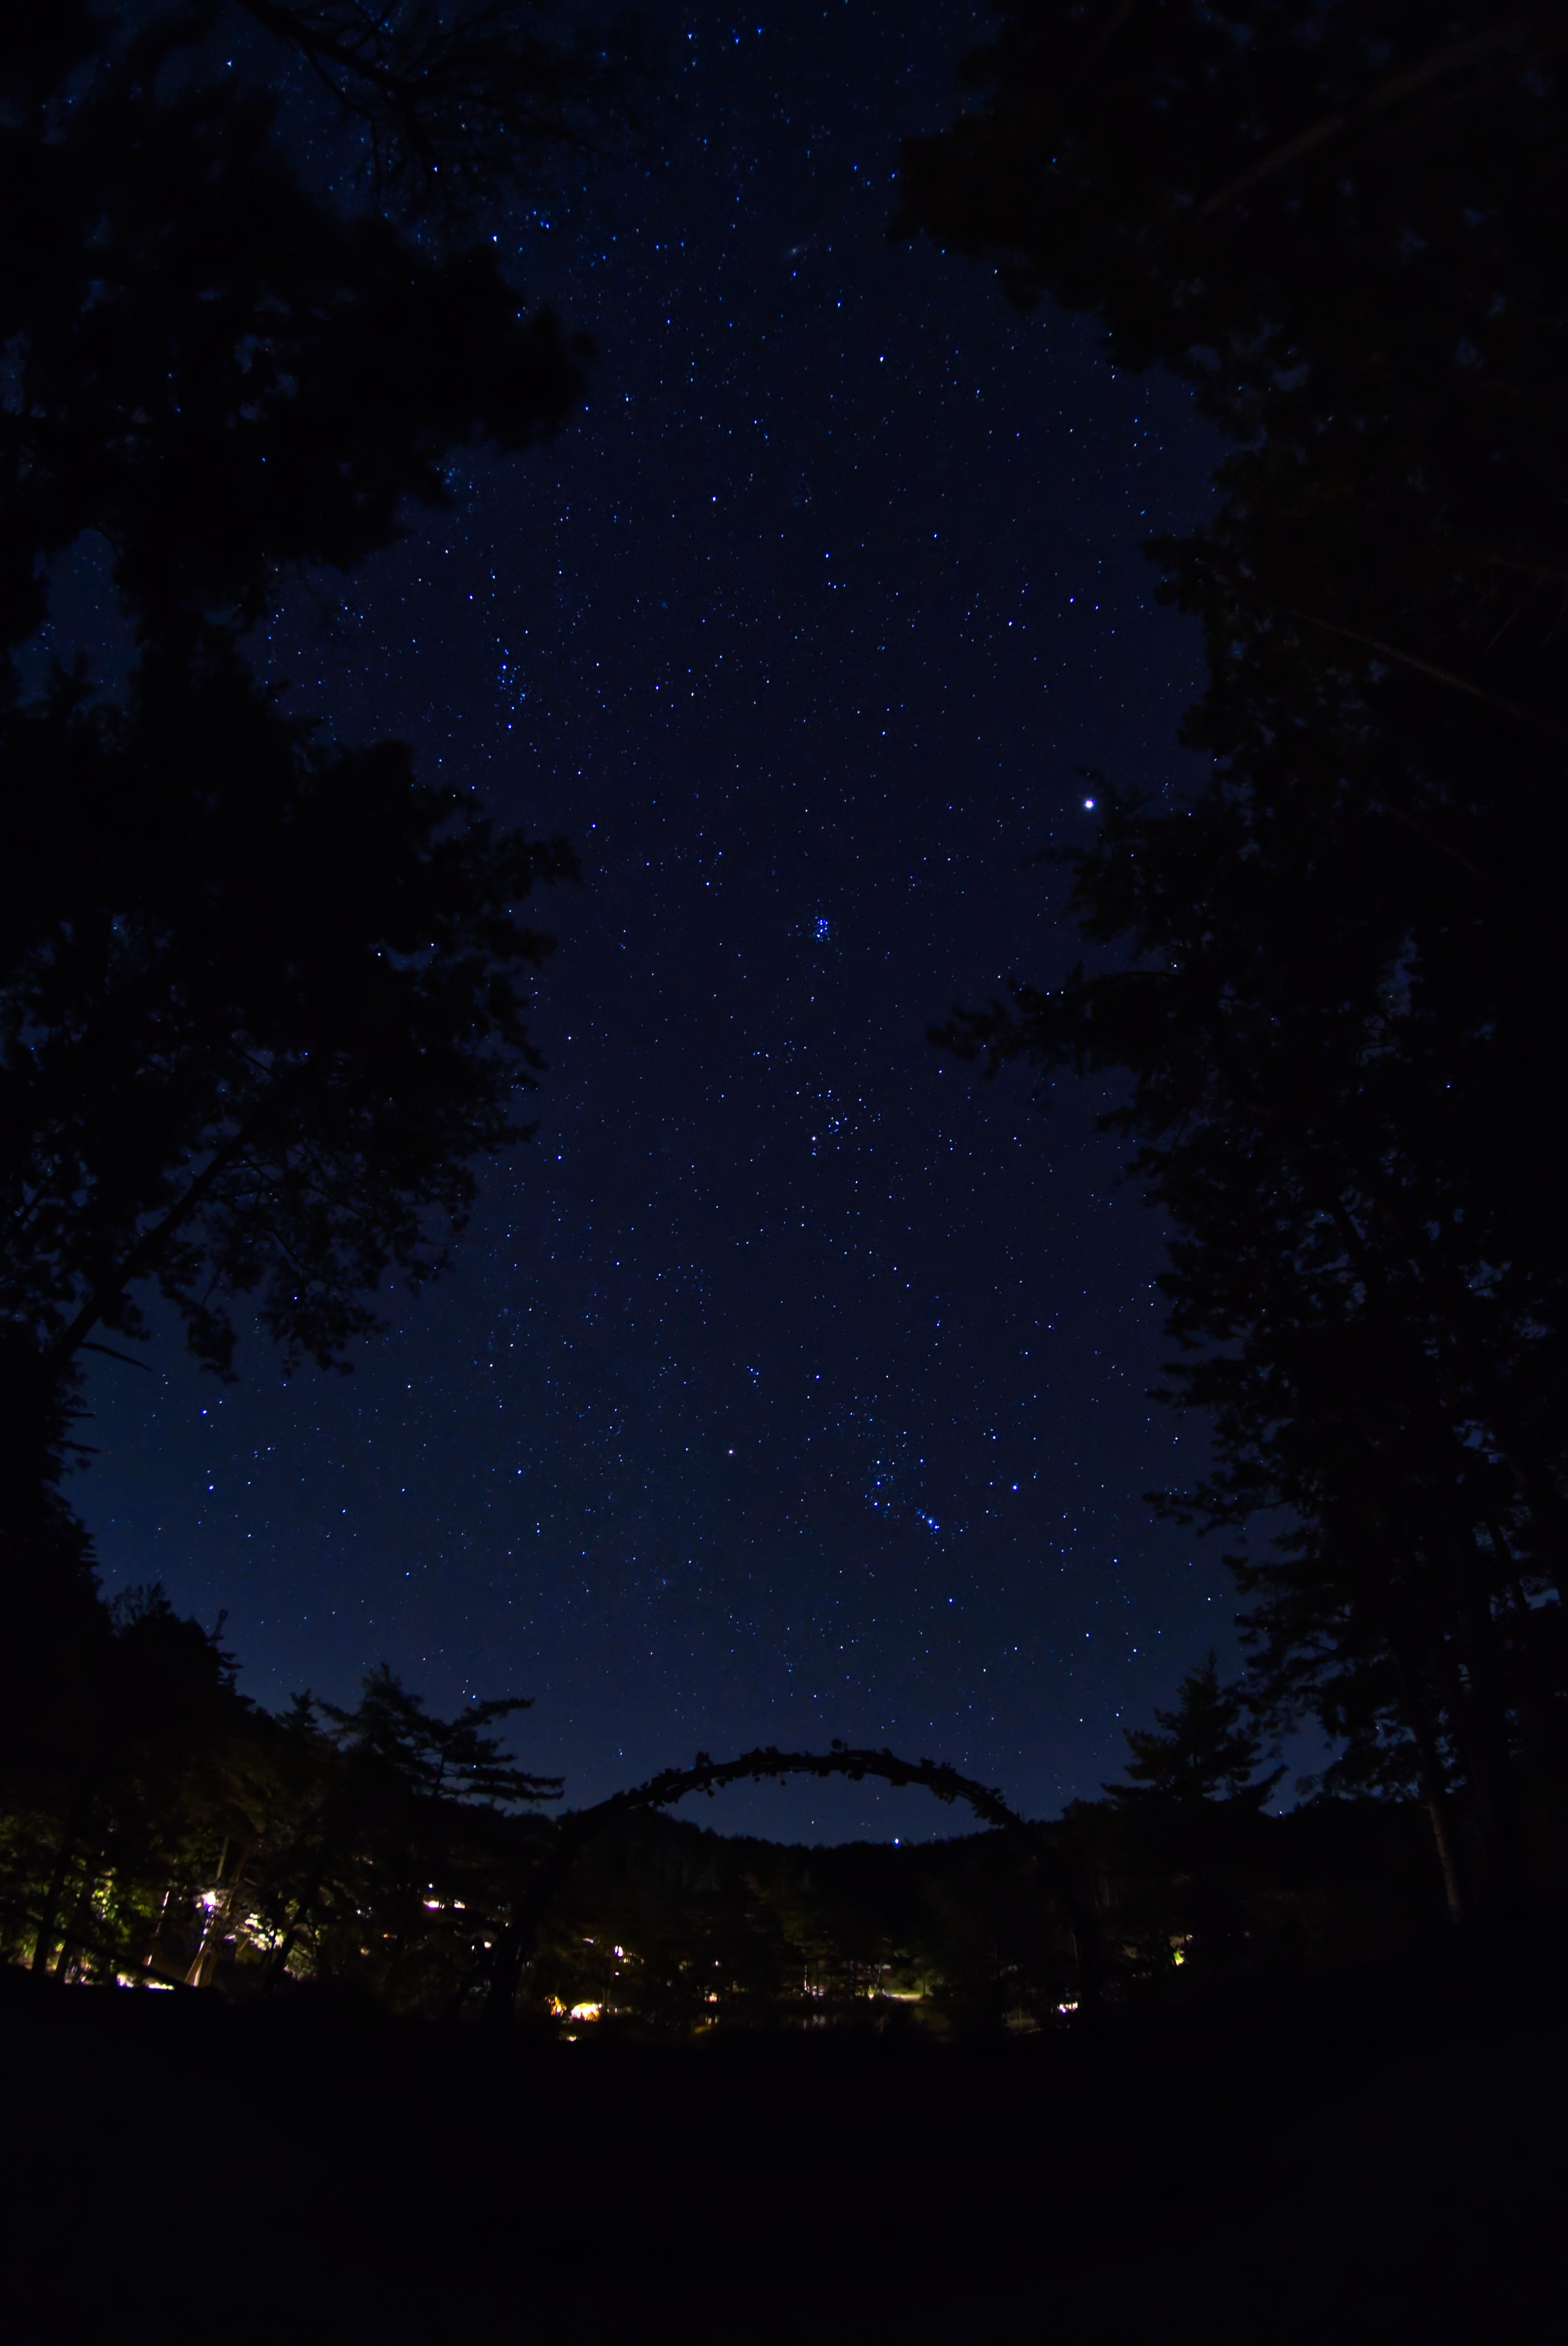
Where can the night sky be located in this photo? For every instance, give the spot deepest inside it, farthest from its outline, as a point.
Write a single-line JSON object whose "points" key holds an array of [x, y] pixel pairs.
{"points": [[791, 1382]]}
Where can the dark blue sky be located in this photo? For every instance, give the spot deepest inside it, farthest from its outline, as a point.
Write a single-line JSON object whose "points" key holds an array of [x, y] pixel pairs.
{"points": [[790, 1383]]}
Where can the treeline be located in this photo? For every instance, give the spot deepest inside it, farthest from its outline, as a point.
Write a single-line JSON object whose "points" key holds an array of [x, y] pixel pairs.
{"points": [[172, 1833], [1329, 973], [667, 1928]]}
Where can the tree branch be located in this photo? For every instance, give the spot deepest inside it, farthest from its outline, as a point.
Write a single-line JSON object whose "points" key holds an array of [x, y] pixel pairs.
{"points": [[145, 1252], [1447, 61]]}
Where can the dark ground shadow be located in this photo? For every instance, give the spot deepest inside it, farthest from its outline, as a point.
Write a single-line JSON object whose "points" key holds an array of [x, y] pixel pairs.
{"points": [[1379, 2156]]}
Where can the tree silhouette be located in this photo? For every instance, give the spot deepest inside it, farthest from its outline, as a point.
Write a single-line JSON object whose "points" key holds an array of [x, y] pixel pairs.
{"points": [[262, 998], [127, 1795], [459, 105], [1204, 1749], [258, 1030], [215, 369], [436, 1758], [1337, 962]]}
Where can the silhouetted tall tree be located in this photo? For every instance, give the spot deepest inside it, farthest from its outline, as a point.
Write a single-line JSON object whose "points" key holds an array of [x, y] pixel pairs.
{"points": [[1205, 1750], [1340, 961], [262, 999]]}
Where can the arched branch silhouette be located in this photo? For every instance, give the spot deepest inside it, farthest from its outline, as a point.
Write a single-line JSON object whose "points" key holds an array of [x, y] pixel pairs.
{"points": [[572, 1833], [709, 1776]]}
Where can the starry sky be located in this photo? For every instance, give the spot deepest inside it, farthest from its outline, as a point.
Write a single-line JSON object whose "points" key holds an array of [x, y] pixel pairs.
{"points": [[791, 1382]]}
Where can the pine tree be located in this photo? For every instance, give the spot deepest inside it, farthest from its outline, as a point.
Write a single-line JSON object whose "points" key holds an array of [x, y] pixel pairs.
{"points": [[1204, 1749]]}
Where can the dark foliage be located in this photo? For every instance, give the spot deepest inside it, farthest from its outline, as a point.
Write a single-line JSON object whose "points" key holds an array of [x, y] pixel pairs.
{"points": [[263, 1010], [215, 369], [459, 105], [1336, 968], [162, 1829], [1367, 2158], [1208, 1750], [262, 998]]}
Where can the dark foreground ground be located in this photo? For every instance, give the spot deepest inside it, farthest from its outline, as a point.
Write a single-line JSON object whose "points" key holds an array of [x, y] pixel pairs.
{"points": [[1383, 2157]]}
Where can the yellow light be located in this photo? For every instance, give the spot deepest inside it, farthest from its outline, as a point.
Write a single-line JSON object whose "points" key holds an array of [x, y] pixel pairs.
{"points": [[584, 2012]]}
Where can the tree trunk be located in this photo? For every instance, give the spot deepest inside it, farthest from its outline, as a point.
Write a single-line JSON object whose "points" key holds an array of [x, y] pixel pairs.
{"points": [[43, 1947], [1437, 1812], [277, 1961], [77, 1930], [149, 1959], [1435, 1788]]}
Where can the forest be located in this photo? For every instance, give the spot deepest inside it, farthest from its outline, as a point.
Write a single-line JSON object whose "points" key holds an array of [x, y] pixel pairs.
{"points": [[266, 1005]]}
